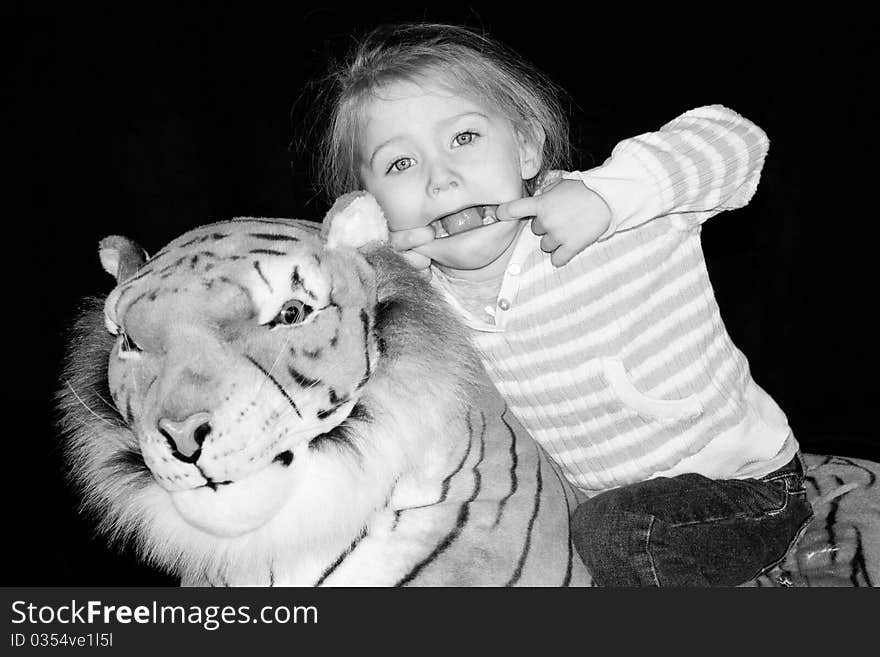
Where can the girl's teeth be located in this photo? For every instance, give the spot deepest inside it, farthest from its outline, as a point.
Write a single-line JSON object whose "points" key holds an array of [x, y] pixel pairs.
{"points": [[464, 220]]}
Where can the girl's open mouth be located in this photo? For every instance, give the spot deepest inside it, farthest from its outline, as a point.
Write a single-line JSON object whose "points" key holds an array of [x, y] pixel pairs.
{"points": [[464, 220]]}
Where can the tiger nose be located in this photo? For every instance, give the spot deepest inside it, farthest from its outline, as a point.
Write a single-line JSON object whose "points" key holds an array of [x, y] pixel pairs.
{"points": [[186, 436]]}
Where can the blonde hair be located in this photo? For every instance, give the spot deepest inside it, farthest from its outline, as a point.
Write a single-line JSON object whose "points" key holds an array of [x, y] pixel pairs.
{"points": [[465, 61]]}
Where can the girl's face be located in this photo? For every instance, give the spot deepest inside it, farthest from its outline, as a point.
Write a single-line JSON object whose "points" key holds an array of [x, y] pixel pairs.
{"points": [[434, 158]]}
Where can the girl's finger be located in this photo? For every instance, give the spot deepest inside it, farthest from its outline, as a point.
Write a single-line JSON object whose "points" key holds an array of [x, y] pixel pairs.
{"points": [[549, 244], [518, 209], [417, 260], [411, 238], [562, 256], [538, 226]]}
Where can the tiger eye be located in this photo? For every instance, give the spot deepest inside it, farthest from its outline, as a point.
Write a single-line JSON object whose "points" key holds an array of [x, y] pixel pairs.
{"points": [[292, 312]]}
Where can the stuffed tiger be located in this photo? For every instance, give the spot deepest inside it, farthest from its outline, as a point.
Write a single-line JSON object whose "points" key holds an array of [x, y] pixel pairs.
{"points": [[260, 404], [841, 547], [263, 404]]}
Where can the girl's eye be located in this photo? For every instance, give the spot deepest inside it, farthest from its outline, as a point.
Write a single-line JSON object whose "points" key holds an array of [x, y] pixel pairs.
{"points": [[402, 164], [292, 312], [465, 138]]}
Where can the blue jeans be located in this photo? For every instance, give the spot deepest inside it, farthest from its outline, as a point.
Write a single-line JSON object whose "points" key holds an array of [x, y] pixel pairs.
{"points": [[690, 530]]}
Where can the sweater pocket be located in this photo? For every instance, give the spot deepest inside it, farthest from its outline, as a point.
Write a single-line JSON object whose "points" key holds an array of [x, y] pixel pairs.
{"points": [[650, 408]]}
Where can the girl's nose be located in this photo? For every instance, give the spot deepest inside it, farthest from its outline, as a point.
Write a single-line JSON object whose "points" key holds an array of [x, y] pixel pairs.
{"points": [[442, 179], [438, 187]]}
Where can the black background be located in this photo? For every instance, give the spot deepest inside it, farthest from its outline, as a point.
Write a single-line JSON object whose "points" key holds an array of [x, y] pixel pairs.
{"points": [[148, 124]]}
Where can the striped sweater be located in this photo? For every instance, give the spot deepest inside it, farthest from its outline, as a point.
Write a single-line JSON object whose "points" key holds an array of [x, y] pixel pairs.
{"points": [[618, 363]]}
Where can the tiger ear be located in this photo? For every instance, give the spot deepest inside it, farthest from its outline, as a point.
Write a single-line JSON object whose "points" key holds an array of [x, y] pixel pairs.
{"points": [[354, 221], [121, 257]]}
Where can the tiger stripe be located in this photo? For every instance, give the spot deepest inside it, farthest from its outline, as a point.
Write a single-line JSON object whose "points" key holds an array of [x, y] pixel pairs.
{"points": [[274, 237], [262, 275], [841, 547], [517, 573], [463, 510], [514, 482], [275, 382]]}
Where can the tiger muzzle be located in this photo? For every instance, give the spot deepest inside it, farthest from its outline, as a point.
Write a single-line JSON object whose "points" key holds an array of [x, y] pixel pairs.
{"points": [[185, 437]]}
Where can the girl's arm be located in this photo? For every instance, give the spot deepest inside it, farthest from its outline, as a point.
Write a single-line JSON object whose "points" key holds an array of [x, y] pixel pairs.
{"points": [[703, 162]]}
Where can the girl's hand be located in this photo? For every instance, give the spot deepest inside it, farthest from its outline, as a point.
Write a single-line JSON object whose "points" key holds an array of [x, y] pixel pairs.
{"points": [[569, 216], [404, 241]]}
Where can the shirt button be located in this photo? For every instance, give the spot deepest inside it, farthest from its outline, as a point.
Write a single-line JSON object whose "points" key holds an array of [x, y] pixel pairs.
{"points": [[514, 270], [504, 304]]}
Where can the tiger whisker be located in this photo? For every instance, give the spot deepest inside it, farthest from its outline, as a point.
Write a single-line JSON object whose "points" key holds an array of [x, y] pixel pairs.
{"points": [[86, 406], [274, 363], [108, 404], [287, 389], [287, 410]]}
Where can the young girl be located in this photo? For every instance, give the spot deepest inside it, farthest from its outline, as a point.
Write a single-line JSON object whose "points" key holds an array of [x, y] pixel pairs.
{"points": [[587, 294]]}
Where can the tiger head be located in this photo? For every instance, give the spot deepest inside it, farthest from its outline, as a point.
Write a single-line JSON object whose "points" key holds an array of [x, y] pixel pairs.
{"points": [[251, 391]]}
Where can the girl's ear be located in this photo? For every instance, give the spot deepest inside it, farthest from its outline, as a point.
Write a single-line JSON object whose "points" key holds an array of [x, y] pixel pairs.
{"points": [[531, 150]]}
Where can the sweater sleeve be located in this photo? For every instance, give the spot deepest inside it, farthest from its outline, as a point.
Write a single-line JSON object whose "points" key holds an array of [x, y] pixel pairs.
{"points": [[704, 162]]}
